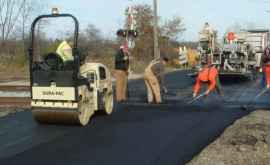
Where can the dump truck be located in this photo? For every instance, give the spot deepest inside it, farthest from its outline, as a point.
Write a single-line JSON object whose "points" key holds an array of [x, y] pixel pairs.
{"points": [[67, 92]]}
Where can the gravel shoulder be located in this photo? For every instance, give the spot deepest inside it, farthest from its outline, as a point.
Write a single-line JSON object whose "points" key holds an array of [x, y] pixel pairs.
{"points": [[246, 142]]}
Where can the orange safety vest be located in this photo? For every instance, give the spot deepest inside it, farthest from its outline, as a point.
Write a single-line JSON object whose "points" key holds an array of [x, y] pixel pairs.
{"points": [[207, 75], [267, 74]]}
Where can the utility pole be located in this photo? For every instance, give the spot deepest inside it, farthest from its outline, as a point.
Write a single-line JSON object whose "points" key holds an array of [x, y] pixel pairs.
{"points": [[156, 47]]}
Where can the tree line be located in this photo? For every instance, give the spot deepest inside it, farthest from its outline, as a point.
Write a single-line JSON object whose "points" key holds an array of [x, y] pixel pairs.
{"points": [[16, 17]]}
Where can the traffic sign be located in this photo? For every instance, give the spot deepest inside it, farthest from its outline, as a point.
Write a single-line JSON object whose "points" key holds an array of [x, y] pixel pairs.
{"points": [[231, 36]]}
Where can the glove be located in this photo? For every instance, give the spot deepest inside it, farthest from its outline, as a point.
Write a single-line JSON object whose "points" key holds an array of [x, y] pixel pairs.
{"points": [[126, 58], [194, 95], [129, 72], [268, 86]]}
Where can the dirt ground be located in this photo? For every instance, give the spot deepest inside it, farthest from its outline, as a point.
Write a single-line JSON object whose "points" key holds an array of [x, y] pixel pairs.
{"points": [[246, 142]]}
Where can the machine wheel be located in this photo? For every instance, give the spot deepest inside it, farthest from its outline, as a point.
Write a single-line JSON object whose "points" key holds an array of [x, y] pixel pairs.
{"points": [[85, 112], [108, 101]]}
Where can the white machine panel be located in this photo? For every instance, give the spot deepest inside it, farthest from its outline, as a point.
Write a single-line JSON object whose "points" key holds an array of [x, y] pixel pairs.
{"points": [[53, 93]]}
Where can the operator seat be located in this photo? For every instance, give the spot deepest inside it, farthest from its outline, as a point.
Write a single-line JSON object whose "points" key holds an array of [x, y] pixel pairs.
{"points": [[54, 61]]}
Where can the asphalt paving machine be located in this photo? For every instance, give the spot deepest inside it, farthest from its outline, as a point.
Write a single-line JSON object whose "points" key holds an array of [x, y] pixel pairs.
{"points": [[208, 46], [67, 93], [238, 56]]}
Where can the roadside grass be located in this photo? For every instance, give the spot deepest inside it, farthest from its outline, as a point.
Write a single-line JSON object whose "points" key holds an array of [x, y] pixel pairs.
{"points": [[16, 68]]}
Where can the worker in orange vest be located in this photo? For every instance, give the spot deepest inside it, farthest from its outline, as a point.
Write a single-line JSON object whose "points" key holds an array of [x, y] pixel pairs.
{"points": [[267, 75], [265, 62], [208, 75]]}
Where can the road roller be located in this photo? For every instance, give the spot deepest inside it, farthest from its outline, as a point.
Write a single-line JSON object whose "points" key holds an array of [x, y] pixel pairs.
{"points": [[67, 92]]}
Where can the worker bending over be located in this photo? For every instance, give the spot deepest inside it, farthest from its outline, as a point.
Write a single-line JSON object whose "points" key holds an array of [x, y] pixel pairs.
{"points": [[207, 28], [154, 80], [121, 73], [208, 75]]}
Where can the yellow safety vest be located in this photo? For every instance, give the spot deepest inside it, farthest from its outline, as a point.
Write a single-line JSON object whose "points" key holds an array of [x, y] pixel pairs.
{"points": [[64, 50]]}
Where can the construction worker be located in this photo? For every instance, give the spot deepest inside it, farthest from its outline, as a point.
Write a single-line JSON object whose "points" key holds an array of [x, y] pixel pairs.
{"points": [[208, 28], [209, 75], [154, 80], [265, 62], [121, 73], [64, 50]]}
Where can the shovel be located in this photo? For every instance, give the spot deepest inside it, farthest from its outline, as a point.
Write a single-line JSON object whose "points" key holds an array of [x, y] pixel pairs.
{"points": [[197, 98]]}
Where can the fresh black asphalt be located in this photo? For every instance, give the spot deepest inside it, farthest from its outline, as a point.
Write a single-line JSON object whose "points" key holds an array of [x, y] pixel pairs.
{"points": [[136, 134]]}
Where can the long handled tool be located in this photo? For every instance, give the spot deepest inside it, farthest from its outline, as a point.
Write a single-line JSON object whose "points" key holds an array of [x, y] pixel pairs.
{"points": [[245, 107], [197, 98], [241, 92]]}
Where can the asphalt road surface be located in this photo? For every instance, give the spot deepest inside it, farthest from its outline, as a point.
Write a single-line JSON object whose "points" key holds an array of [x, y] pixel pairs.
{"points": [[136, 134]]}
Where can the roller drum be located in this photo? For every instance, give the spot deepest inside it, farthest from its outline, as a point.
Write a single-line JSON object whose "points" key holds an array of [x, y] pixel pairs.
{"points": [[79, 116], [109, 104], [60, 116]]}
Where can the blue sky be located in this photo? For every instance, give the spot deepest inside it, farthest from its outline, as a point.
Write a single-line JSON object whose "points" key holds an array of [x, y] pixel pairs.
{"points": [[108, 15]]}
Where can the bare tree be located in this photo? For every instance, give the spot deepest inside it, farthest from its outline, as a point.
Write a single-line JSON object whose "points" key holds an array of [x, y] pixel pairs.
{"points": [[173, 28], [10, 11], [26, 10], [170, 31], [30, 9], [144, 49], [93, 33], [16, 13], [91, 41]]}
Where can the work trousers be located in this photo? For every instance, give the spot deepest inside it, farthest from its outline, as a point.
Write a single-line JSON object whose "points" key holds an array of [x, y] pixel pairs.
{"points": [[121, 77], [153, 87]]}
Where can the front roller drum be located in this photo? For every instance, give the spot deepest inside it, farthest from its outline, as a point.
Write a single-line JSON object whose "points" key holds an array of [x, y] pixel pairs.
{"points": [[79, 116], [109, 104]]}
